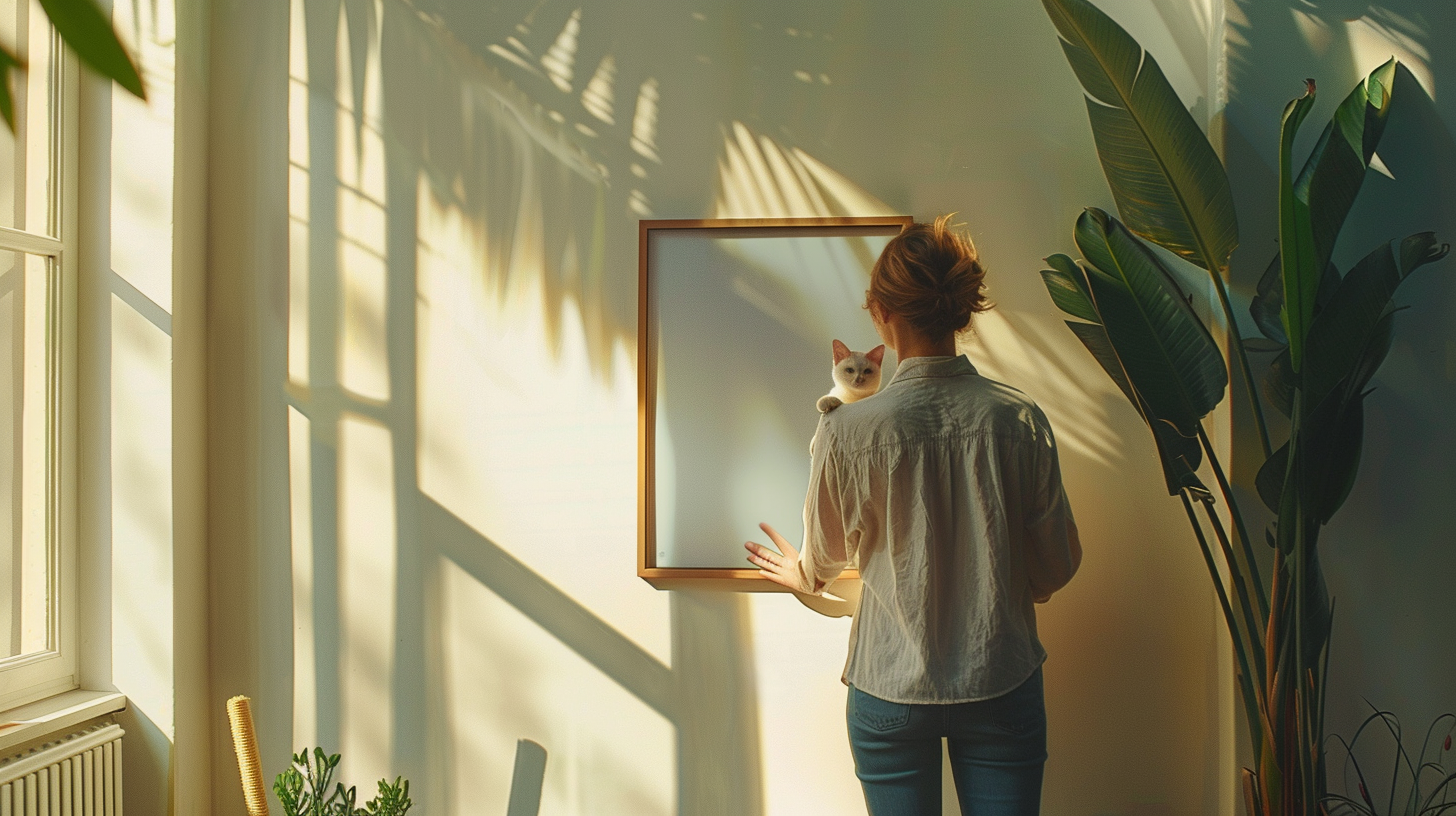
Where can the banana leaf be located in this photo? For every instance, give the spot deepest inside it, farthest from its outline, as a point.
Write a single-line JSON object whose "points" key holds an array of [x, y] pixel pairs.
{"points": [[1180, 455], [1335, 169], [1067, 284], [1333, 435], [1298, 267], [1339, 334], [1268, 302], [1168, 183], [1172, 361], [1269, 482], [87, 30], [1279, 383]]}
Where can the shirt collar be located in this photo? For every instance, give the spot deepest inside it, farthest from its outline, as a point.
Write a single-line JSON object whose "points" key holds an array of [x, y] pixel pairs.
{"points": [[929, 367]]}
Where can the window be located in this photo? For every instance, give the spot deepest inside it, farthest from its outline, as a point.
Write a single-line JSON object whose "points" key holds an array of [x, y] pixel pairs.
{"points": [[37, 365]]}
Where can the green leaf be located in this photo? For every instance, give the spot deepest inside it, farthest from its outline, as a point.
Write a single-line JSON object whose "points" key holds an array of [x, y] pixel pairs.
{"points": [[1166, 178], [1180, 455], [87, 30], [1332, 439], [1279, 382], [1333, 436], [1268, 302], [1270, 480], [1335, 169], [1298, 267], [8, 65], [1094, 337], [1172, 361], [1340, 333], [1261, 345], [1067, 284]]}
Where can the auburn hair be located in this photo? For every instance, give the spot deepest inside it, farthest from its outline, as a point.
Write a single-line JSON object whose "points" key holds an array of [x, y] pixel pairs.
{"points": [[930, 275]]}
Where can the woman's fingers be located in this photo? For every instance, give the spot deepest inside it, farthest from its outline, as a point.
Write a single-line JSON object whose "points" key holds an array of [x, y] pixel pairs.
{"points": [[779, 541], [781, 567], [761, 555], [772, 565]]}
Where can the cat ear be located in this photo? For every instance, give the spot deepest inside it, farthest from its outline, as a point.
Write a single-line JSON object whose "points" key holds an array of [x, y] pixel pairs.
{"points": [[876, 354], [840, 351]]}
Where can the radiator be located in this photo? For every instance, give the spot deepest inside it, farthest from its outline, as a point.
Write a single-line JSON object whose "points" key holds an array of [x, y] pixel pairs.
{"points": [[79, 775]]}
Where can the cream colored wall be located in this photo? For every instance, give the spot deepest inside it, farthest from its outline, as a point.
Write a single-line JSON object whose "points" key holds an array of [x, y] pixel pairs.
{"points": [[422, 411]]}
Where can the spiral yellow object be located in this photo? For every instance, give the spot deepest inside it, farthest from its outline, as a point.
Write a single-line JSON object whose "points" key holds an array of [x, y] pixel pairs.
{"points": [[245, 745]]}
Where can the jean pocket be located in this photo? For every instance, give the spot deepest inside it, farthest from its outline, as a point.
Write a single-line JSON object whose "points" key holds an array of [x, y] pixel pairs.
{"points": [[1023, 726], [876, 714]]}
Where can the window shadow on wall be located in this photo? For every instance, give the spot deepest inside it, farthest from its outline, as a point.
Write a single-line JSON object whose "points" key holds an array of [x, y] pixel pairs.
{"points": [[387, 108]]}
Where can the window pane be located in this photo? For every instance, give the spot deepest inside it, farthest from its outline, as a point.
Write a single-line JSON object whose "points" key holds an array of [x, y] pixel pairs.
{"points": [[26, 375], [25, 154]]}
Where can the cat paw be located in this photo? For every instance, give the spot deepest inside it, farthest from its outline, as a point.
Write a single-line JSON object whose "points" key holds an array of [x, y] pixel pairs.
{"points": [[828, 403]]}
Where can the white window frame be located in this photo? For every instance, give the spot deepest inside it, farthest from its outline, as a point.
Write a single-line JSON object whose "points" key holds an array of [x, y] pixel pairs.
{"points": [[37, 675]]}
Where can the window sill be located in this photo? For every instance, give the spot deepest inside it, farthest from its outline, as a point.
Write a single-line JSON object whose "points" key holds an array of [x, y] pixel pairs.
{"points": [[43, 720]]}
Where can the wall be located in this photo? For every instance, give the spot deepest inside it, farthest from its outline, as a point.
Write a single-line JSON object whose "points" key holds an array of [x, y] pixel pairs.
{"points": [[422, 398], [1387, 555]]}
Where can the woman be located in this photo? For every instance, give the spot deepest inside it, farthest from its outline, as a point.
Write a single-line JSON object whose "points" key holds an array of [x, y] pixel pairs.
{"points": [[946, 487]]}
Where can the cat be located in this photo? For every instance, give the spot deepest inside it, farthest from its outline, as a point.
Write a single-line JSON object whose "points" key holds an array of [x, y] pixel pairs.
{"points": [[856, 376]]}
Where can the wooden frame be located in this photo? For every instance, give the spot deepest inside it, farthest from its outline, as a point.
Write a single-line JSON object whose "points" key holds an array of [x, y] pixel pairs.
{"points": [[744, 579]]}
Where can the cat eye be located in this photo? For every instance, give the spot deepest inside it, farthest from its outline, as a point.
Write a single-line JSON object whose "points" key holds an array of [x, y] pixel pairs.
{"points": [[849, 371]]}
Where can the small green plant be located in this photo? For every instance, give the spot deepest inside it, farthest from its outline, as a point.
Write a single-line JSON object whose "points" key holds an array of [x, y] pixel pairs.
{"points": [[303, 790], [1405, 795]]}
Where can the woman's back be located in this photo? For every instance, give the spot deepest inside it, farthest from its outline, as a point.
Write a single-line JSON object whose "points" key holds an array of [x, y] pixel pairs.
{"points": [[947, 486]]}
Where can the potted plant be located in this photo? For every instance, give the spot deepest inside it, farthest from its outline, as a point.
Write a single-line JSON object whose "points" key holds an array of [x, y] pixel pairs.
{"points": [[1328, 333]]}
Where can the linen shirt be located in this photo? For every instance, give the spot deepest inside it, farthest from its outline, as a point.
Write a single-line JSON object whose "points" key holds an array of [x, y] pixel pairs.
{"points": [[946, 488]]}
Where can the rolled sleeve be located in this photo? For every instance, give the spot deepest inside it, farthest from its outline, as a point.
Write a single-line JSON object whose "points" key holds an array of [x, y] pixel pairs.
{"points": [[825, 552], [1054, 550]]}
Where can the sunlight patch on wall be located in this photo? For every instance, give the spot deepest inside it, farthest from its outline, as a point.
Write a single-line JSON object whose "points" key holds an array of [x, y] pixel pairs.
{"points": [[560, 59], [518, 436], [807, 766], [644, 121], [141, 160], [1069, 387], [759, 178], [506, 678], [141, 513], [368, 555], [1378, 36], [298, 198], [363, 363], [1316, 32], [300, 500], [598, 97]]}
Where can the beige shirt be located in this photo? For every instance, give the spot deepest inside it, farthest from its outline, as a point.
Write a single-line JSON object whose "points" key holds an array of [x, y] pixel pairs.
{"points": [[945, 487]]}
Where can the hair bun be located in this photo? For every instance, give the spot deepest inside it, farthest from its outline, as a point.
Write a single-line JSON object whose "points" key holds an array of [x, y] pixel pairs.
{"points": [[932, 276]]}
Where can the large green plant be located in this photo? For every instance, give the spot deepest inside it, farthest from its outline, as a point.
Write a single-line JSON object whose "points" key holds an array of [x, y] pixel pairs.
{"points": [[1329, 333], [85, 28]]}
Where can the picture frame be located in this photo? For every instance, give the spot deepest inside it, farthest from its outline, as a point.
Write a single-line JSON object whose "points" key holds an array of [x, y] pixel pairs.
{"points": [[735, 323]]}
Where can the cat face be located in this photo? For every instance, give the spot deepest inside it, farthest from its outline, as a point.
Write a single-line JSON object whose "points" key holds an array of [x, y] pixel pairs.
{"points": [[858, 372]]}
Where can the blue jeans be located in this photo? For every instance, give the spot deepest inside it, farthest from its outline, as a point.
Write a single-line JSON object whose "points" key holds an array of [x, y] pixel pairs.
{"points": [[997, 748]]}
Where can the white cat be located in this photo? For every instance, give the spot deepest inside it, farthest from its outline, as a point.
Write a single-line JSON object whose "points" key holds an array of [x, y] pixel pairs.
{"points": [[856, 376]]}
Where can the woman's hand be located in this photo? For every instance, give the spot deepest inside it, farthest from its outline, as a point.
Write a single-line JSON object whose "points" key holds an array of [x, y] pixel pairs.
{"points": [[781, 567]]}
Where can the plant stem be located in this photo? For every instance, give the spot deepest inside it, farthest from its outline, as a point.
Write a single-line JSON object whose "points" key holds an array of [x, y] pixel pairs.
{"points": [[1251, 622], [1238, 345], [1250, 566], [1242, 644]]}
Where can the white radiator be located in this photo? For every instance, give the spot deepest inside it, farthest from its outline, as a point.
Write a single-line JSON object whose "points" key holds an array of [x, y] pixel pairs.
{"points": [[79, 775]]}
